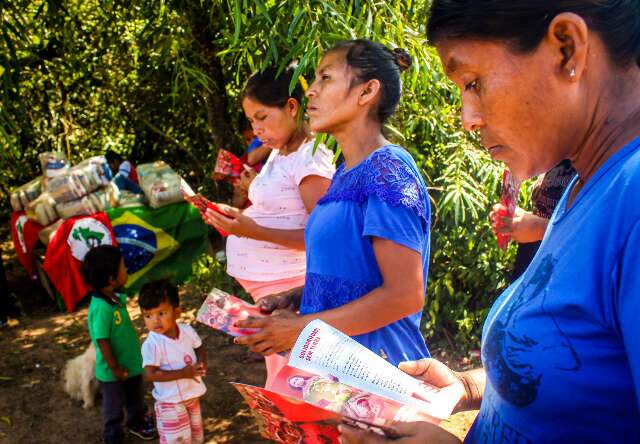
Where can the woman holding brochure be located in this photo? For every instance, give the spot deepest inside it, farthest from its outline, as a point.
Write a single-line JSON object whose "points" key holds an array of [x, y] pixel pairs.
{"points": [[543, 81], [265, 251], [367, 240]]}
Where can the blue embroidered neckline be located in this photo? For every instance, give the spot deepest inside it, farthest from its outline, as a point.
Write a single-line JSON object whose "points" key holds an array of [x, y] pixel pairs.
{"points": [[384, 175]]}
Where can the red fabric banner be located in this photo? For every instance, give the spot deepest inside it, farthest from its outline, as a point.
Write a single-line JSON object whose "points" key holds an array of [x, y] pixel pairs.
{"points": [[24, 233], [66, 251]]}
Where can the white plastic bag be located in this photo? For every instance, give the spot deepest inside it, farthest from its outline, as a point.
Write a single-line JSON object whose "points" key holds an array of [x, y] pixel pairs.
{"points": [[103, 199], [53, 163], [21, 196], [160, 184], [103, 168], [43, 210]]}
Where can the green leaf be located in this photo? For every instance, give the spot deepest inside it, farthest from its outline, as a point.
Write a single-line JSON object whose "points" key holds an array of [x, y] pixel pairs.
{"points": [[237, 21]]}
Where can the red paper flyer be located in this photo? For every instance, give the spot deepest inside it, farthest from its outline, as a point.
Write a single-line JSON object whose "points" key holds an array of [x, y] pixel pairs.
{"points": [[509, 202]]}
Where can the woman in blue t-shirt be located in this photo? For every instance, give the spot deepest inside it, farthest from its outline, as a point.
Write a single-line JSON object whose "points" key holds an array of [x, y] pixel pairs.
{"points": [[542, 81], [367, 240]]}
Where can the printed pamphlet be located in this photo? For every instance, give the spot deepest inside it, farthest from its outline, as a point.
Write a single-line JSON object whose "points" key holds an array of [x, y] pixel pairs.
{"points": [[221, 310], [331, 379]]}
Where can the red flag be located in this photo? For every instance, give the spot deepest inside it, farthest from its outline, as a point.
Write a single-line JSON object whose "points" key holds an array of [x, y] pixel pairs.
{"points": [[66, 251], [24, 233]]}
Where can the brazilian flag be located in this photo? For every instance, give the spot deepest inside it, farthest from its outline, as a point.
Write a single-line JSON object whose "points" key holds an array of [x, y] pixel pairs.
{"points": [[158, 243]]}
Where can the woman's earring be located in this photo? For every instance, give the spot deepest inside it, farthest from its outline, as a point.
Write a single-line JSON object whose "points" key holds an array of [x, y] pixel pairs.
{"points": [[572, 73]]}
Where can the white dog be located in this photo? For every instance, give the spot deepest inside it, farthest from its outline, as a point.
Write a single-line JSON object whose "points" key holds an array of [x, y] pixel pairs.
{"points": [[80, 377]]}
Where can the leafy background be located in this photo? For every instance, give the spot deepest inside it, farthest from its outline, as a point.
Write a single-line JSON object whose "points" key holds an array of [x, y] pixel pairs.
{"points": [[160, 80]]}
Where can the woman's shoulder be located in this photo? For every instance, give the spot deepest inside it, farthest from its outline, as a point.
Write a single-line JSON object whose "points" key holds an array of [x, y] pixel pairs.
{"points": [[394, 157], [311, 149], [390, 167], [389, 174]]}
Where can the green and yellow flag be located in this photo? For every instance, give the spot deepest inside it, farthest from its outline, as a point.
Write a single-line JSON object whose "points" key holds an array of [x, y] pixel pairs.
{"points": [[158, 243]]}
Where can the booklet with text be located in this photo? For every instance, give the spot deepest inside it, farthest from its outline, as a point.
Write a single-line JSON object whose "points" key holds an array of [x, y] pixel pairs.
{"points": [[332, 379]]}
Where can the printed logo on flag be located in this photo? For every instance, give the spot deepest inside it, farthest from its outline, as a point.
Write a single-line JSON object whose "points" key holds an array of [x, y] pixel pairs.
{"points": [[87, 234], [20, 222]]}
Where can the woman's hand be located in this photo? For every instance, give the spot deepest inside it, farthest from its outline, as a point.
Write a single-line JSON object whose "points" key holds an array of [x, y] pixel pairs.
{"points": [[468, 386], [287, 300], [233, 221], [435, 373], [278, 332], [406, 432], [523, 227]]}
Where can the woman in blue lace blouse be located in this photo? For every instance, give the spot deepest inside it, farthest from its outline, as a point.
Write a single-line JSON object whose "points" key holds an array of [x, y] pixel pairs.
{"points": [[367, 240]]}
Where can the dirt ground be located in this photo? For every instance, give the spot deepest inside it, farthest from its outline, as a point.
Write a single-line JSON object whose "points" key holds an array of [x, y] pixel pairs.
{"points": [[36, 344]]}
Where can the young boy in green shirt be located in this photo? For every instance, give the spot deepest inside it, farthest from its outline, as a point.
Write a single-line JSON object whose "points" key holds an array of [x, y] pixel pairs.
{"points": [[118, 356]]}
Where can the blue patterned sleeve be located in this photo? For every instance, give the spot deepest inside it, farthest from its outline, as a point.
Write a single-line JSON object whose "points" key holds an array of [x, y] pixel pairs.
{"points": [[628, 303], [398, 224]]}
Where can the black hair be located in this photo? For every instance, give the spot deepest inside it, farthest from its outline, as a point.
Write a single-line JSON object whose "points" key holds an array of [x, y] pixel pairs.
{"points": [[154, 293], [525, 23], [112, 156], [370, 60], [271, 89], [100, 264]]}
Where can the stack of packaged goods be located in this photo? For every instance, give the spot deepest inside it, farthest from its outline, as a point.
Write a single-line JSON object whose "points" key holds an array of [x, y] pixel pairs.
{"points": [[81, 190], [86, 189], [63, 191], [160, 183], [33, 197]]}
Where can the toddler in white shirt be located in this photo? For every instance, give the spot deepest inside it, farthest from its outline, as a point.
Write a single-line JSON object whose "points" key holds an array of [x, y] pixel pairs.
{"points": [[174, 359]]}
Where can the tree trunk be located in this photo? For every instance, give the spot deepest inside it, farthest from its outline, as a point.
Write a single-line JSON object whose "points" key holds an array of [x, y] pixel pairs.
{"points": [[221, 128]]}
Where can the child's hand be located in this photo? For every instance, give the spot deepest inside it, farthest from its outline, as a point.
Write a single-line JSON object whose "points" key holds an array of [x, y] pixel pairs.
{"points": [[203, 367], [193, 371], [121, 373]]}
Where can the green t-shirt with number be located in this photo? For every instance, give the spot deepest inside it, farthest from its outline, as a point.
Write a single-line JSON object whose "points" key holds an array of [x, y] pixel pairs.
{"points": [[108, 320]]}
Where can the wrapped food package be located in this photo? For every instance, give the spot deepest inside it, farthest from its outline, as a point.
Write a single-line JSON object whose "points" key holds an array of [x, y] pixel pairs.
{"points": [[103, 168], [129, 199], [76, 183], [160, 184], [79, 207], [53, 164], [43, 210], [23, 195], [151, 169], [103, 199], [106, 198]]}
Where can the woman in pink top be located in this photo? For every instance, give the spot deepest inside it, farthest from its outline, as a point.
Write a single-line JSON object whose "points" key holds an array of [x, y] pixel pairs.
{"points": [[265, 251]]}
